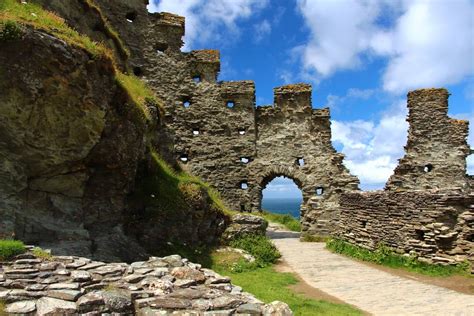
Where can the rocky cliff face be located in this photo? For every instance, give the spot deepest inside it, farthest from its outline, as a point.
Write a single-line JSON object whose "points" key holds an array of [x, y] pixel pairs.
{"points": [[71, 145]]}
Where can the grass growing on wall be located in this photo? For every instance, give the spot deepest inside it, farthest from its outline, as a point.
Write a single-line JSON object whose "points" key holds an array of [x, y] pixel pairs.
{"points": [[10, 248], [286, 220], [385, 256], [175, 189]]}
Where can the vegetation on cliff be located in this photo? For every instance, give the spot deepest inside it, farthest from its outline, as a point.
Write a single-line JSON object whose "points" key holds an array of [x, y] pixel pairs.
{"points": [[176, 189], [15, 15]]}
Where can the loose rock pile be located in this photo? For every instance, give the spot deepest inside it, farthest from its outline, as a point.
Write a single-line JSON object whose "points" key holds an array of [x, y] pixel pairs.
{"points": [[67, 285]]}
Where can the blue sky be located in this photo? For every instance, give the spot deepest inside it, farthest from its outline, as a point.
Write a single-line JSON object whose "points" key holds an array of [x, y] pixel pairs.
{"points": [[361, 56]]}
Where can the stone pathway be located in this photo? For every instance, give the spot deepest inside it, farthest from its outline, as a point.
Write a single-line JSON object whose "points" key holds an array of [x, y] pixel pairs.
{"points": [[369, 289]]}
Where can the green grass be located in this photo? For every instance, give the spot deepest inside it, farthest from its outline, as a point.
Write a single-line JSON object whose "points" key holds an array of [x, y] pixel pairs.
{"points": [[286, 220], [260, 247], [35, 16], [13, 15], [108, 29], [171, 192], [305, 237], [10, 248], [385, 256], [3, 307], [42, 254], [139, 93], [269, 285]]}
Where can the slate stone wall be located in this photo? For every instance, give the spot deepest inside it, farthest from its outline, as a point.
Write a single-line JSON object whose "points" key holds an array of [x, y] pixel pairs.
{"points": [[437, 227], [436, 150]]}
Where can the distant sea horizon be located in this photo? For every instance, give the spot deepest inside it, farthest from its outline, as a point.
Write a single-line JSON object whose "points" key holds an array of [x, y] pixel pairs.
{"points": [[282, 206]]}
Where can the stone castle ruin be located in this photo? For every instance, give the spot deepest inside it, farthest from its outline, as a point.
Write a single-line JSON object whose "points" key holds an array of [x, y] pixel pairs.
{"points": [[214, 130]]}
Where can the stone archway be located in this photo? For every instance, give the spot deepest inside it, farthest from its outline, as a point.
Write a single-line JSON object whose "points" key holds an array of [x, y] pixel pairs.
{"points": [[265, 176]]}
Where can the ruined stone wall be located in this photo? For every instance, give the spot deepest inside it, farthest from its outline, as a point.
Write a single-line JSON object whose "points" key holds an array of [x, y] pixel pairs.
{"points": [[436, 151], [213, 130], [437, 227], [294, 140], [427, 206]]}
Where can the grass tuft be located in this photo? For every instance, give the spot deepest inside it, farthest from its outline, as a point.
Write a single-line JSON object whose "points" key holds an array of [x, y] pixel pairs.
{"points": [[166, 191], [260, 247], [305, 237], [3, 307], [140, 94], [41, 253], [35, 16], [9, 31], [385, 256], [286, 220], [10, 248]]}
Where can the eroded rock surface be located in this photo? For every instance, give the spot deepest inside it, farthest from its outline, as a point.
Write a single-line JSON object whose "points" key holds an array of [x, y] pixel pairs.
{"points": [[70, 285]]}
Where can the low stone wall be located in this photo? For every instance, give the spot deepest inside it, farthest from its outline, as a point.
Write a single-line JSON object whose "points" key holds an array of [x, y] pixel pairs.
{"points": [[436, 227], [160, 286]]}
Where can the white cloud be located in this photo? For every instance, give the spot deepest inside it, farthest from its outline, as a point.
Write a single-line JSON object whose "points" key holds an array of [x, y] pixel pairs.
{"points": [[373, 148], [334, 101], [426, 43], [262, 29], [209, 20]]}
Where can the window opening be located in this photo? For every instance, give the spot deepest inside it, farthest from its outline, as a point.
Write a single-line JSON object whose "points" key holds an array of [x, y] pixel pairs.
{"points": [[184, 158], [230, 104], [131, 16], [427, 168], [319, 191], [244, 185], [244, 160]]}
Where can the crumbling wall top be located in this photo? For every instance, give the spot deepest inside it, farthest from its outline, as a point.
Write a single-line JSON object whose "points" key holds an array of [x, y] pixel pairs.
{"points": [[238, 87], [170, 19], [206, 55], [293, 89]]}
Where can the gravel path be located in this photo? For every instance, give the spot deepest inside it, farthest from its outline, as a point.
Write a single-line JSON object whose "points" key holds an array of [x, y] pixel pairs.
{"points": [[369, 289]]}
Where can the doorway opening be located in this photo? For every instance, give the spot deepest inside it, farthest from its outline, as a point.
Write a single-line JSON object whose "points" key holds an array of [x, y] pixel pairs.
{"points": [[283, 196]]}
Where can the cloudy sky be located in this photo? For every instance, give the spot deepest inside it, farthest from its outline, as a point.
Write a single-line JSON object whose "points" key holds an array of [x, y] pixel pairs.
{"points": [[361, 56]]}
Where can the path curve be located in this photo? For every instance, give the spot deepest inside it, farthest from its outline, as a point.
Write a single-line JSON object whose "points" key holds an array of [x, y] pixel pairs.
{"points": [[369, 289]]}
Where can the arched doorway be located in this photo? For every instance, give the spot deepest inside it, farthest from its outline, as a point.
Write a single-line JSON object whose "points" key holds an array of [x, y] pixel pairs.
{"points": [[283, 196]]}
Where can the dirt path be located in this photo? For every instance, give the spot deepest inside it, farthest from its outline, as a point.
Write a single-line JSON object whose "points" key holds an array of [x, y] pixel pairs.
{"points": [[365, 287]]}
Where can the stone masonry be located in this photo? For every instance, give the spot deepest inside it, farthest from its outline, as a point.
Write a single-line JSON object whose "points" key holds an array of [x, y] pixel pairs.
{"points": [[427, 208], [214, 130], [220, 136], [70, 285]]}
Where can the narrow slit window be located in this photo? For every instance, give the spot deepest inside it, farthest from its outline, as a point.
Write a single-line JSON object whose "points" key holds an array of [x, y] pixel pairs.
{"points": [[196, 131], [186, 103], [428, 168], [230, 104], [161, 47], [197, 79], [244, 185], [131, 16], [242, 208], [137, 71], [300, 161], [241, 131], [319, 191], [244, 160], [184, 158]]}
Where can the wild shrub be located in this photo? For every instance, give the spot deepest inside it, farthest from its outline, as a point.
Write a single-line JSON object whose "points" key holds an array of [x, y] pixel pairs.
{"points": [[260, 247], [10, 248], [9, 31]]}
